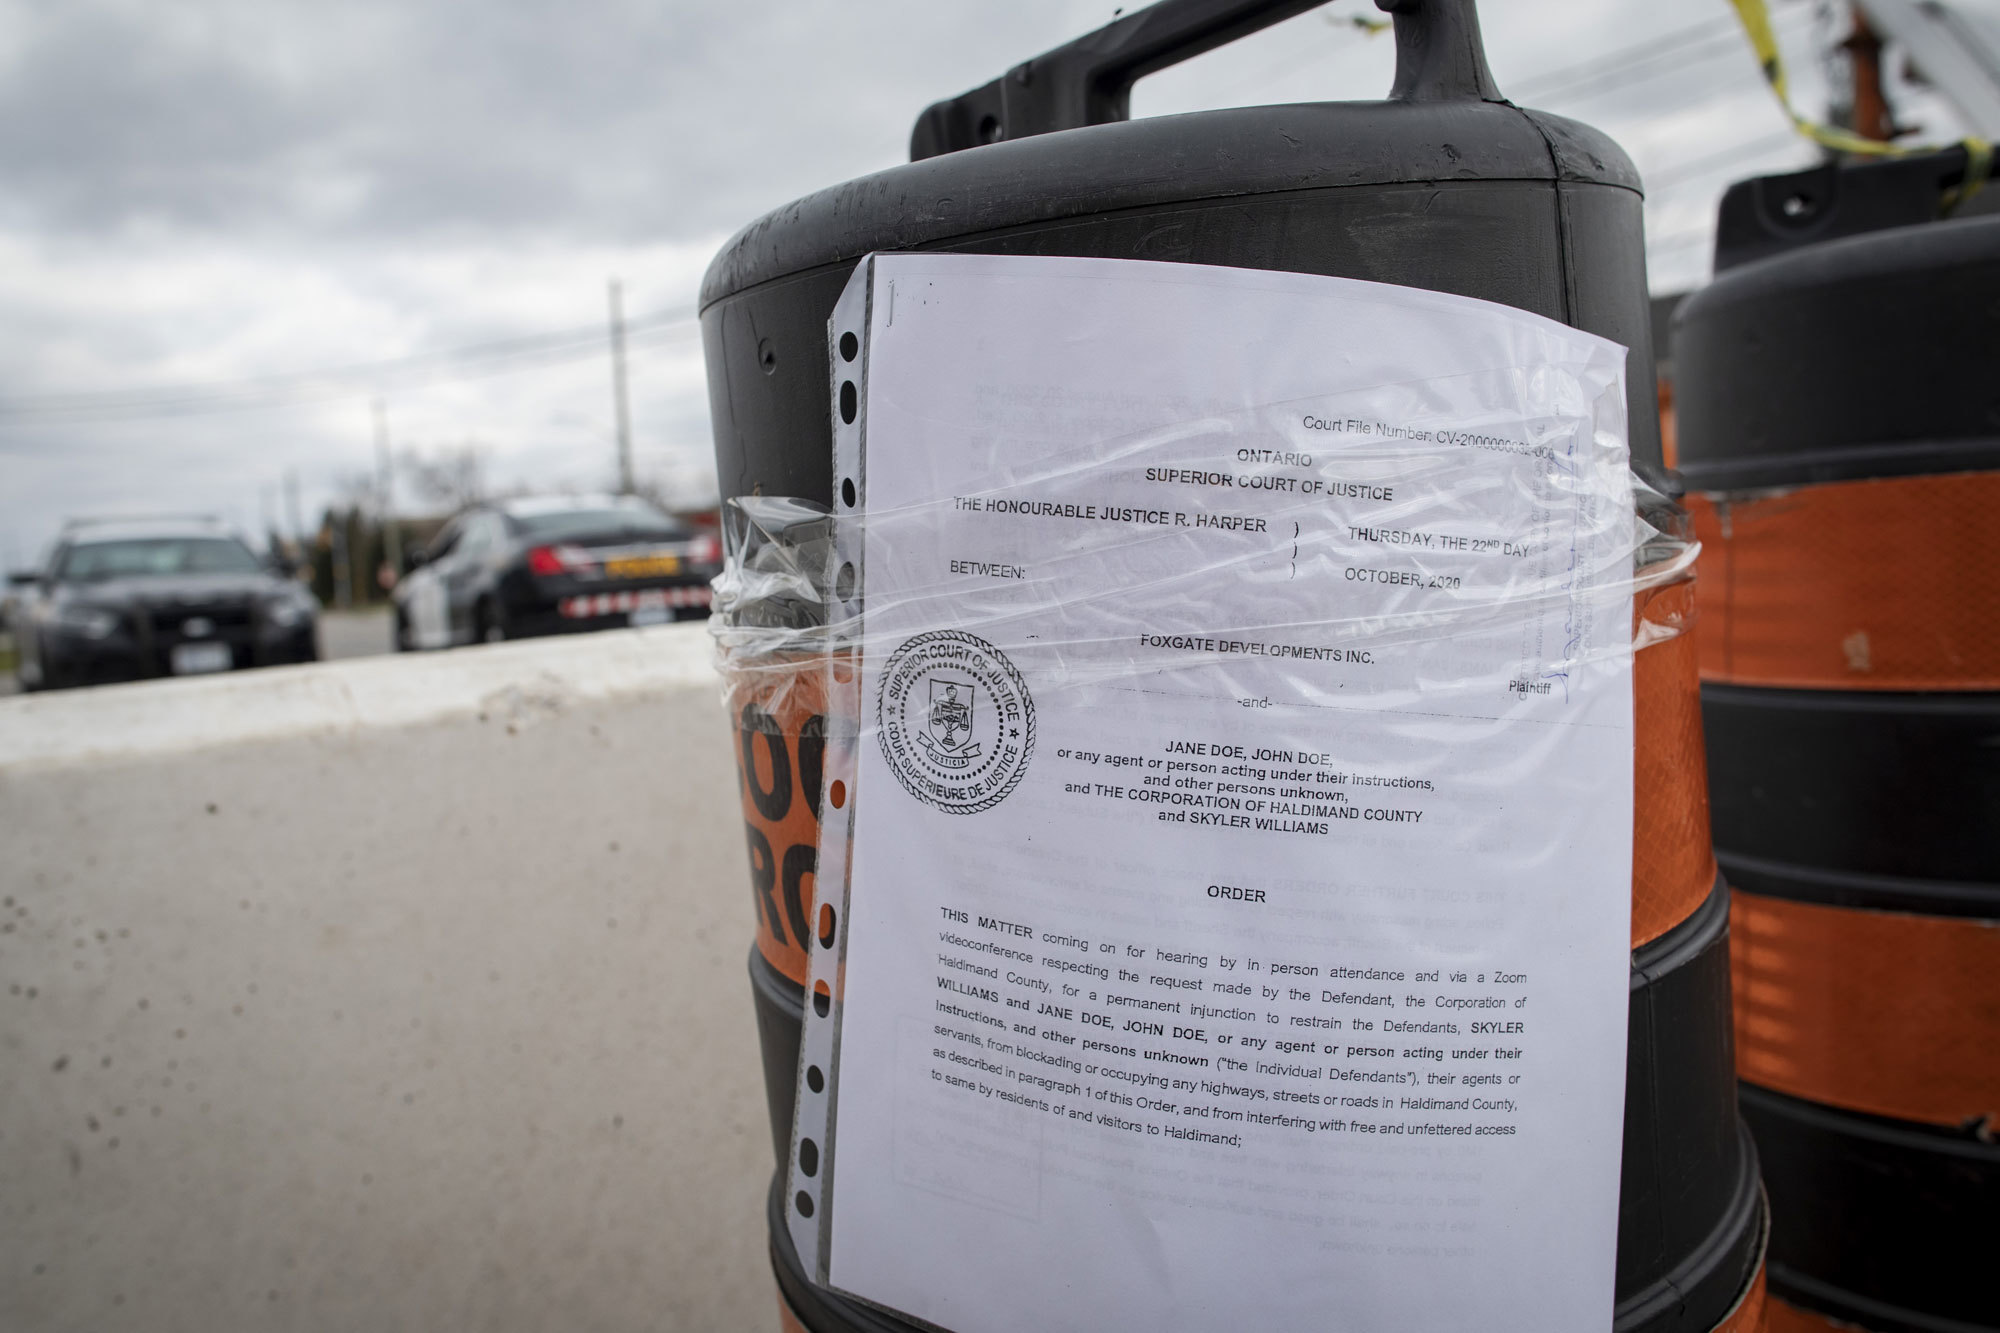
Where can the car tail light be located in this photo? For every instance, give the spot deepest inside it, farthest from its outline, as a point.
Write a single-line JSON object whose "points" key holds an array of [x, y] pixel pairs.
{"points": [[543, 560], [705, 550]]}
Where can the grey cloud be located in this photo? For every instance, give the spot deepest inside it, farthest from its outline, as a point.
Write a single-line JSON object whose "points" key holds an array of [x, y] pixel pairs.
{"points": [[206, 189], [97, 123], [595, 117]]}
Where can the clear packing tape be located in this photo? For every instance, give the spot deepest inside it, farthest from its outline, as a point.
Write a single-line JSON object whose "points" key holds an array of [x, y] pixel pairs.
{"points": [[784, 601], [781, 633], [1461, 546], [787, 635]]}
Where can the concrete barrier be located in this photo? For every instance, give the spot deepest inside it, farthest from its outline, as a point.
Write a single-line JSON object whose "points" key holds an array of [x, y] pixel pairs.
{"points": [[404, 993]]}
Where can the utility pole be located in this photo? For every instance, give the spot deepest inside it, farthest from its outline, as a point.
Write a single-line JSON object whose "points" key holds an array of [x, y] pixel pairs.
{"points": [[392, 532], [292, 507], [1871, 115], [625, 485], [343, 571]]}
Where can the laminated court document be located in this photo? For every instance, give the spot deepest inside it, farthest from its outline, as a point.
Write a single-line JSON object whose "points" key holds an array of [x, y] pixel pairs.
{"points": [[1226, 872]]}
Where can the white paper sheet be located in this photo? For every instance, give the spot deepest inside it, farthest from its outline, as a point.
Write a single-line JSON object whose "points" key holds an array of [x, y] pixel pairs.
{"points": [[1241, 828]]}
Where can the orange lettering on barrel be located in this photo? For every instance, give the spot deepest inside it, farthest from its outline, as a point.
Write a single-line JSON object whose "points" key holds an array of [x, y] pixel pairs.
{"points": [[780, 756]]}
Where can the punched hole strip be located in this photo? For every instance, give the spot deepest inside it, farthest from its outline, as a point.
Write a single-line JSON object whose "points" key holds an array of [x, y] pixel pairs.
{"points": [[809, 1170]]}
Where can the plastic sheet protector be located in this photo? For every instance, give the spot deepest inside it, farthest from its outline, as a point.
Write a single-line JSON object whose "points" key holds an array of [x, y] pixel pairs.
{"points": [[1222, 902]]}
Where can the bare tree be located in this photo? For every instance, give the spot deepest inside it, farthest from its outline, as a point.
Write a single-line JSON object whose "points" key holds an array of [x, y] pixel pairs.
{"points": [[353, 490], [450, 476]]}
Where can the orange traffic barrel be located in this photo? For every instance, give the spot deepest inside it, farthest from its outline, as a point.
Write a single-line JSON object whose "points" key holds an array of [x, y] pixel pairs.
{"points": [[1480, 199], [1839, 436], [1692, 1221]]}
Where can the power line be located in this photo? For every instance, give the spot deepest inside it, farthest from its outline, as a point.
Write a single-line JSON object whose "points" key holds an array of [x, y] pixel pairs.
{"points": [[473, 361], [1558, 83], [1695, 167], [1679, 240], [1636, 63], [1292, 63]]}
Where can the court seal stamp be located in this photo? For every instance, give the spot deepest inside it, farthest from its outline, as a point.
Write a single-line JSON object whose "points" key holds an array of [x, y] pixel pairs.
{"points": [[955, 720]]}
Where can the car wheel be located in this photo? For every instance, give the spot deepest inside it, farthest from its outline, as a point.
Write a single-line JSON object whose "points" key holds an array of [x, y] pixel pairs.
{"points": [[490, 623]]}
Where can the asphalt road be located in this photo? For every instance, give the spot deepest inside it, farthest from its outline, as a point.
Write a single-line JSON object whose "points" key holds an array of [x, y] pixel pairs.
{"points": [[354, 634]]}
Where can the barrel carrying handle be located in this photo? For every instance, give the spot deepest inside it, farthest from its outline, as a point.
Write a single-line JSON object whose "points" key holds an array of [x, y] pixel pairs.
{"points": [[1439, 57]]}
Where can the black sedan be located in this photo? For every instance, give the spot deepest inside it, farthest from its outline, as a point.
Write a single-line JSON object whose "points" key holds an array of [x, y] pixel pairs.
{"points": [[129, 600], [554, 565]]}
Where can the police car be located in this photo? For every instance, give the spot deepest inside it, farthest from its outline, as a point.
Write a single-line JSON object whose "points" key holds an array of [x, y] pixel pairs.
{"points": [[554, 565], [128, 599]]}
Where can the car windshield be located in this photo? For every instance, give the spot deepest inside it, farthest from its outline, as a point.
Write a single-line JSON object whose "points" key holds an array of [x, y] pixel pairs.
{"points": [[157, 556], [629, 521]]}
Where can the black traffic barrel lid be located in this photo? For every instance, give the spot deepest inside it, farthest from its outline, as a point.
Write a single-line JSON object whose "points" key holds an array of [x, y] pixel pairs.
{"points": [[1768, 215], [1870, 356], [1444, 121], [1445, 185]]}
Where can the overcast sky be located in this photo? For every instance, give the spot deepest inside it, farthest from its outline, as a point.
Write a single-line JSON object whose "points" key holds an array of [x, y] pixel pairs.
{"points": [[207, 192]]}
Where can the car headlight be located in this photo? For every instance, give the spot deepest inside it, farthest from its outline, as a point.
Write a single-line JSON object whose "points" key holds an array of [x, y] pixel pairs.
{"points": [[289, 611], [92, 622]]}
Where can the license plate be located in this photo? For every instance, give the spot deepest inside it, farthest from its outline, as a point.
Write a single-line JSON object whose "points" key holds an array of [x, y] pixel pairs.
{"points": [[192, 659], [642, 566], [651, 615]]}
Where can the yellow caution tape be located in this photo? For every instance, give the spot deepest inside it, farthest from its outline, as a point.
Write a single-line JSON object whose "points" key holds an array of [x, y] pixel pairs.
{"points": [[1978, 169], [1756, 19]]}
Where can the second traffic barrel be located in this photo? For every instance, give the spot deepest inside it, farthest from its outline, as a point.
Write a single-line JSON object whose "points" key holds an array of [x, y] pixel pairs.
{"points": [[1840, 440]]}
